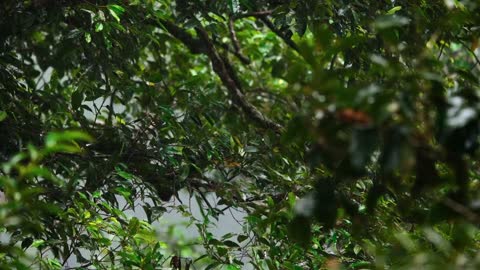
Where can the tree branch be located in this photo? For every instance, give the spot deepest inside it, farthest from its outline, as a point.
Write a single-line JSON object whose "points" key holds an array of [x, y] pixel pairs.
{"points": [[194, 45], [272, 27], [262, 16], [253, 14], [233, 36], [223, 72], [222, 67], [245, 60]]}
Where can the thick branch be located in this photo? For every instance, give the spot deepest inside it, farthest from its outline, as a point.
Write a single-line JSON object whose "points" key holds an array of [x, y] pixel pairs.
{"points": [[231, 72], [222, 71], [193, 44]]}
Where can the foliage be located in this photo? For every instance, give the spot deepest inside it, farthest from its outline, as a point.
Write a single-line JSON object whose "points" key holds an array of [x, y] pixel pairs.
{"points": [[347, 131]]}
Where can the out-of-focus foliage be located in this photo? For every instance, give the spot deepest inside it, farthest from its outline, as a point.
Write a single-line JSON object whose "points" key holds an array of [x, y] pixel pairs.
{"points": [[347, 131]]}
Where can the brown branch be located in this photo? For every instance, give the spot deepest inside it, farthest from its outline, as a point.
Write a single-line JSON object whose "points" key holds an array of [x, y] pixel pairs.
{"points": [[272, 27], [233, 88], [111, 111], [223, 68], [253, 14], [193, 44], [262, 16], [233, 36], [231, 72], [245, 60]]}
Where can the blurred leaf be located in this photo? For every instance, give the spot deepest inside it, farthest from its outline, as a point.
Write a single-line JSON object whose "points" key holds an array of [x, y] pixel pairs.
{"points": [[229, 243], [38, 243], [364, 143], [394, 10], [27, 242], [234, 6], [98, 27], [299, 230], [325, 202], [77, 99], [53, 138], [390, 21], [3, 115]]}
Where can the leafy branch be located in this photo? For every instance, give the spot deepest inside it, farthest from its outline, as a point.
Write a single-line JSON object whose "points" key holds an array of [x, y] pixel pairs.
{"points": [[220, 67], [223, 68]]}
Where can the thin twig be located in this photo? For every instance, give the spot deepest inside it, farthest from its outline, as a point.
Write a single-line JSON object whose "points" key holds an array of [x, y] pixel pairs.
{"points": [[233, 36], [441, 50], [332, 63], [253, 14], [272, 27], [473, 54], [206, 200], [112, 98]]}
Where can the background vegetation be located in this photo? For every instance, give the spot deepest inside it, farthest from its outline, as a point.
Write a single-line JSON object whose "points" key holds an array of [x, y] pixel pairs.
{"points": [[346, 130]]}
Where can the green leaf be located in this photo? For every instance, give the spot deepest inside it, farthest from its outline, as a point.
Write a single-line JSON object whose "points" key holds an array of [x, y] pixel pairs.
{"points": [[234, 6], [38, 243], [394, 10], [54, 138], [118, 26], [98, 27], [88, 37], [292, 199], [212, 266], [230, 243], [77, 99], [3, 115], [241, 238], [125, 192], [357, 249], [114, 15], [125, 175], [133, 225], [361, 265], [54, 264], [116, 11]]}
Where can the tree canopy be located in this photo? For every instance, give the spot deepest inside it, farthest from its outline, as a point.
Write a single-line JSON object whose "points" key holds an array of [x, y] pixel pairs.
{"points": [[347, 131]]}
